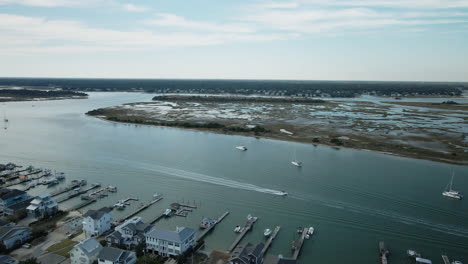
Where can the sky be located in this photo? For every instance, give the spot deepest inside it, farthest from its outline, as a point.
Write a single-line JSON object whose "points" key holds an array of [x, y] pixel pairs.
{"points": [[383, 40]]}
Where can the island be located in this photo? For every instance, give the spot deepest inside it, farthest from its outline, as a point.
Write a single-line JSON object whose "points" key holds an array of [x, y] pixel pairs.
{"points": [[24, 94]]}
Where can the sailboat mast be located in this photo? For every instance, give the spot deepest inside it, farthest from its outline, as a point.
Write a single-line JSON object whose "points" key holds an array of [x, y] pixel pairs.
{"points": [[451, 181]]}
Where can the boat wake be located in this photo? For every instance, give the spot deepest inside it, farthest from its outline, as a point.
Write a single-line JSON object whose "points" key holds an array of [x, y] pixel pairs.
{"points": [[211, 179]]}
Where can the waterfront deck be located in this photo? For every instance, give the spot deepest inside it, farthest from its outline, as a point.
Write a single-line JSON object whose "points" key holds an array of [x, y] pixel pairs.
{"points": [[298, 243], [248, 226], [208, 230], [270, 240]]}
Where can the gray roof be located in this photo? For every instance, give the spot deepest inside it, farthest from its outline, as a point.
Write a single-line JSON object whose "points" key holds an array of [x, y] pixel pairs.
{"points": [[115, 254], [97, 214], [20, 205], [178, 236], [115, 235], [10, 231], [7, 260], [11, 193], [89, 246]]}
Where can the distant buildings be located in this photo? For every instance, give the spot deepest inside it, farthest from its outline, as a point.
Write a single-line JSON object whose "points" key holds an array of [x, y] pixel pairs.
{"points": [[110, 255], [129, 234], [247, 254], [86, 252], [9, 197], [170, 243], [11, 236], [42, 206], [97, 222]]}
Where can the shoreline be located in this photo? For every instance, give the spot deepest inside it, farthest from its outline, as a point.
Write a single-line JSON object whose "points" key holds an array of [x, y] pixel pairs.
{"points": [[207, 130], [40, 99]]}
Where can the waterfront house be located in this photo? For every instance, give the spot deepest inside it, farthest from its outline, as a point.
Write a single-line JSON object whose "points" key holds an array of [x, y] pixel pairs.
{"points": [[17, 207], [11, 236], [85, 252], [10, 197], [247, 254], [42, 206], [97, 222], [170, 243], [129, 234], [110, 255]]}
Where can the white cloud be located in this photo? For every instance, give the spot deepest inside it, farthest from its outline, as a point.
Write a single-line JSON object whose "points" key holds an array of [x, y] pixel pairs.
{"points": [[44, 3], [135, 8]]}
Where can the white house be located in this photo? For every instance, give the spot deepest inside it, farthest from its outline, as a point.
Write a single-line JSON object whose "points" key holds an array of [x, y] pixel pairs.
{"points": [[110, 255], [86, 252], [170, 243], [97, 222], [42, 206], [11, 236]]}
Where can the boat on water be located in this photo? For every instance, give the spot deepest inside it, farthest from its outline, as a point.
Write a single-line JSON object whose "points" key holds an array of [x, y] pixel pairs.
{"points": [[51, 182], [296, 163], [120, 205], [237, 229], [412, 253], [168, 212], [311, 231], [243, 148], [383, 253], [457, 262], [449, 192], [267, 232], [283, 193]]}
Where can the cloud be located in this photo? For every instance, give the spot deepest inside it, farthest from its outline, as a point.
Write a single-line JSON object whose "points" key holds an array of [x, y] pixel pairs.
{"points": [[37, 34], [178, 22], [135, 8], [43, 3]]}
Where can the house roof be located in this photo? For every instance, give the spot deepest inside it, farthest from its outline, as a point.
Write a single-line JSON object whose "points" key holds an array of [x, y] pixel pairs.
{"points": [[4, 259], [115, 255], [11, 193], [10, 231], [20, 205], [97, 214], [180, 235], [90, 246], [115, 235]]}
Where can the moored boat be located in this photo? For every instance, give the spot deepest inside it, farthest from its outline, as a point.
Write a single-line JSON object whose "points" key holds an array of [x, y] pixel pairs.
{"points": [[243, 148], [267, 232]]}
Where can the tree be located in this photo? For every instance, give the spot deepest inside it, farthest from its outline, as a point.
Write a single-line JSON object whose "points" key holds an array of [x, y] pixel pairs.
{"points": [[140, 249], [3, 249], [150, 259], [30, 261]]}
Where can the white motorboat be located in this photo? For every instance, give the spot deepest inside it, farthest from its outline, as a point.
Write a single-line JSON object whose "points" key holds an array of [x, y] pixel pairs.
{"points": [[168, 212], [283, 193], [243, 148], [310, 231], [267, 232], [413, 254], [296, 163], [237, 229], [449, 192]]}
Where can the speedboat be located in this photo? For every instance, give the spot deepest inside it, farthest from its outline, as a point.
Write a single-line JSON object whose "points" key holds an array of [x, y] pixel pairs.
{"points": [[307, 236], [168, 212], [296, 163], [237, 229], [267, 232], [283, 193], [119, 205], [249, 217], [413, 254], [457, 262], [243, 148], [310, 231]]}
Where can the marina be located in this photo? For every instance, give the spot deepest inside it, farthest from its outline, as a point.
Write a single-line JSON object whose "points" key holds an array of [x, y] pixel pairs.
{"points": [[141, 208], [270, 240], [77, 192], [245, 229], [208, 229]]}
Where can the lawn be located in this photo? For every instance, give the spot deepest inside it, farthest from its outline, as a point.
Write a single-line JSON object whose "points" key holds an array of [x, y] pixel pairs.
{"points": [[63, 247]]}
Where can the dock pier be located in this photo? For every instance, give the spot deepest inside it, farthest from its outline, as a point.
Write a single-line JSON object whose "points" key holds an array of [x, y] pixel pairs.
{"points": [[270, 240], [81, 205], [445, 259], [78, 193], [206, 231], [248, 226], [298, 243], [141, 208]]}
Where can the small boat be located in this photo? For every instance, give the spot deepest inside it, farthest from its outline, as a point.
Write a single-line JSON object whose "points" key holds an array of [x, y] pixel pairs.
{"points": [[119, 205], [155, 196], [299, 230], [111, 188], [457, 262], [249, 217], [267, 232], [296, 163], [168, 212], [236, 229], [283, 193], [413, 254], [449, 192], [60, 176], [307, 236], [383, 252], [310, 231], [243, 148]]}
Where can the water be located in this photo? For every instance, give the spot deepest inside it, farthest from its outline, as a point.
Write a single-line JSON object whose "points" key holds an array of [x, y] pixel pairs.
{"points": [[354, 199]]}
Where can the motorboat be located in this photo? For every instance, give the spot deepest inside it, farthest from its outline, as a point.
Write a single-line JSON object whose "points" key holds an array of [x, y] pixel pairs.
{"points": [[243, 148], [267, 232]]}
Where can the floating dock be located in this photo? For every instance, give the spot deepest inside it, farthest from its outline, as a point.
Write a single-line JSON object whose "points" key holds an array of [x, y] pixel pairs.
{"points": [[206, 231], [298, 243], [248, 226], [270, 240], [141, 208]]}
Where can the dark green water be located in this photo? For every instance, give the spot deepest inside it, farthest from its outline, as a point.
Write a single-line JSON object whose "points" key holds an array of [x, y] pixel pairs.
{"points": [[354, 199]]}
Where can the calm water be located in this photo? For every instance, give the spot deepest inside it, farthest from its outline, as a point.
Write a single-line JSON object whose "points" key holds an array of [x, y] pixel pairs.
{"points": [[354, 199]]}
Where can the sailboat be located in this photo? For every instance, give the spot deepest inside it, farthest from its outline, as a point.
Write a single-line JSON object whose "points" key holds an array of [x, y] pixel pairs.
{"points": [[449, 192], [295, 162]]}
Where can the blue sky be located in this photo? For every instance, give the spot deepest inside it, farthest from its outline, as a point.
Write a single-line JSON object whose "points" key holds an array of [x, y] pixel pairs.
{"points": [[408, 40]]}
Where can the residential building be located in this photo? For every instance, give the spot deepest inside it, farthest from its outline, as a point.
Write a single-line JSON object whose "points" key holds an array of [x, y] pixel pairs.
{"points": [[129, 234], [4, 259], [42, 206], [110, 255], [97, 222], [170, 243], [11, 236], [17, 207], [247, 254], [85, 252], [10, 197]]}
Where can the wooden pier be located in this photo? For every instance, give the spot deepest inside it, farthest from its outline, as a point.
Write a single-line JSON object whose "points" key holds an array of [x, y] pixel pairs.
{"points": [[445, 259], [270, 240], [248, 226], [66, 189], [78, 193], [206, 231], [297, 244], [157, 218], [81, 205], [141, 208]]}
